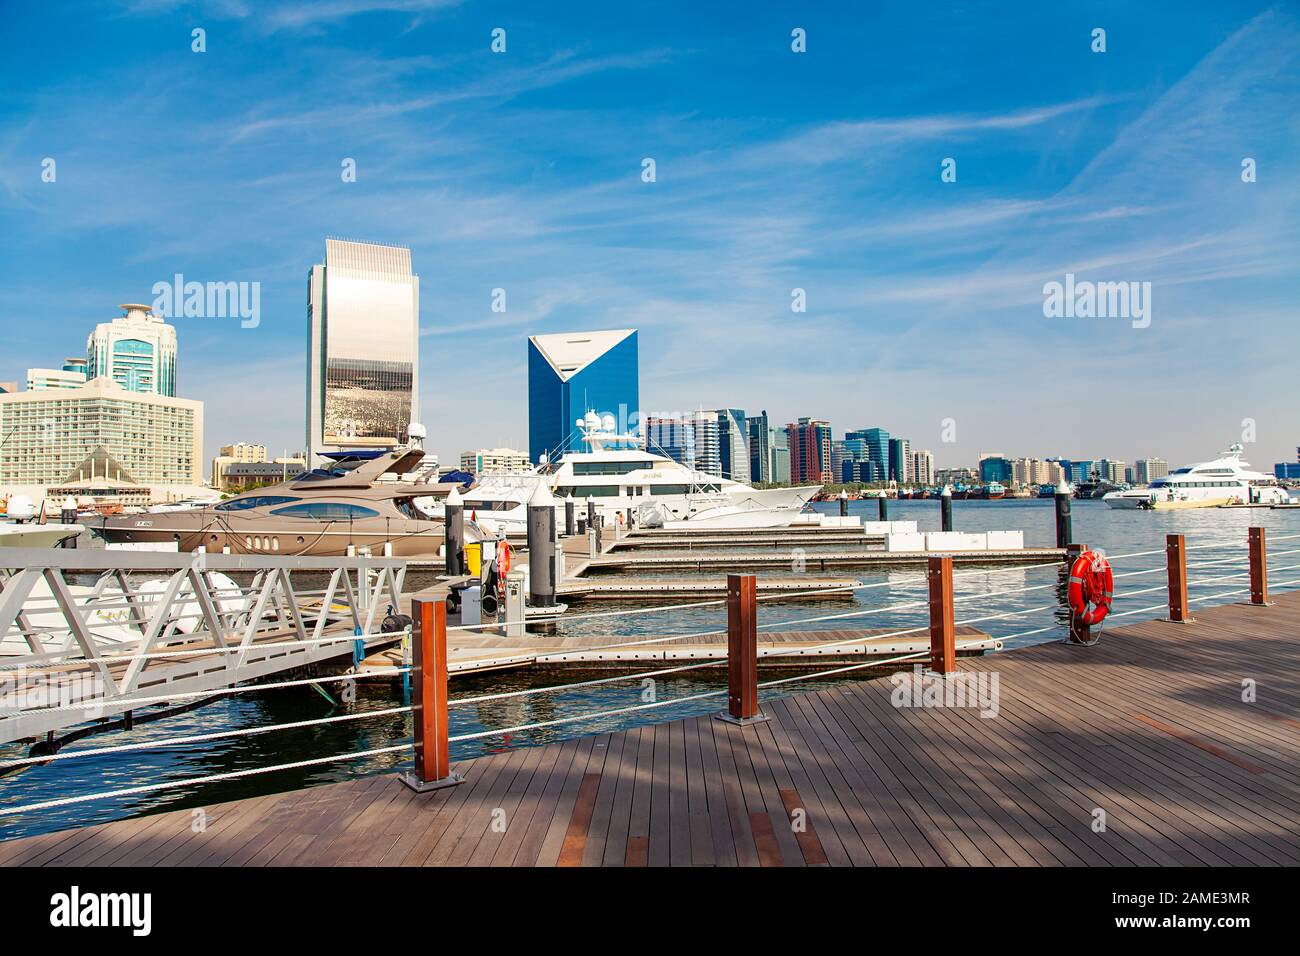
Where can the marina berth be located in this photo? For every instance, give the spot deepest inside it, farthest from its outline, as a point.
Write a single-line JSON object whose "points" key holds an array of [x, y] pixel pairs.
{"points": [[617, 473], [359, 502]]}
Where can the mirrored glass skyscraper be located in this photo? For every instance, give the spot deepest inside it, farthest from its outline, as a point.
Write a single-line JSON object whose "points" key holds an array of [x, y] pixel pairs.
{"points": [[363, 317]]}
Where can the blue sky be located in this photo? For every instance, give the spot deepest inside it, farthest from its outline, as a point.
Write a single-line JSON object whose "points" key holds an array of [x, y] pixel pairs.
{"points": [[775, 170]]}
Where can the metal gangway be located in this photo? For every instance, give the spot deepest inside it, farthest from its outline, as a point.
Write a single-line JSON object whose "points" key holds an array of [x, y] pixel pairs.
{"points": [[87, 635]]}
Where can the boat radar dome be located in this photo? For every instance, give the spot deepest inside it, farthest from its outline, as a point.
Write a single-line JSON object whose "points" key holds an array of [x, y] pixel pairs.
{"points": [[416, 434], [608, 423]]}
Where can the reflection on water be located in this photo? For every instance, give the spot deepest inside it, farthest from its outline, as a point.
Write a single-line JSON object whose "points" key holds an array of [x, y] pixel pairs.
{"points": [[896, 601]]}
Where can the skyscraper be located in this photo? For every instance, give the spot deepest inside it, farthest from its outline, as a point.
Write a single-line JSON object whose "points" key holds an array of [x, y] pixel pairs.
{"points": [[877, 448], [572, 373], [363, 360], [691, 440], [733, 444], [760, 448], [136, 350], [810, 451], [900, 460]]}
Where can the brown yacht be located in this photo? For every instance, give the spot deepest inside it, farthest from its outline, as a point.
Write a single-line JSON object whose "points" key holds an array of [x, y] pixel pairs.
{"points": [[358, 500]]}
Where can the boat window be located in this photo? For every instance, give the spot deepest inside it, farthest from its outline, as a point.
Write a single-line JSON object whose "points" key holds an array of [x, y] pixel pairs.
{"points": [[326, 511], [491, 505], [609, 467], [595, 491], [258, 501]]}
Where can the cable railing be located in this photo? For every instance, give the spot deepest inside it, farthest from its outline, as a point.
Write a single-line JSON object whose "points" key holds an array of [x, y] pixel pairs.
{"points": [[428, 668]]}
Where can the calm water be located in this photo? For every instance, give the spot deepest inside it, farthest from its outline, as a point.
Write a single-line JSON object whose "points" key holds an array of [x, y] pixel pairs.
{"points": [[1038, 618]]}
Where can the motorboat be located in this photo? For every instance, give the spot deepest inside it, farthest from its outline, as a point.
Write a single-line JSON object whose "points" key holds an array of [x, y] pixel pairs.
{"points": [[618, 473], [1225, 480], [23, 526], [359, 501]]}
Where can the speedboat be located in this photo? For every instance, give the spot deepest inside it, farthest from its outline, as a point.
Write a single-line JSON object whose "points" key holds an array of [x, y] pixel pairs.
{"points": [[359, 501], [618, 473], [22, 526], [1225, 480]]}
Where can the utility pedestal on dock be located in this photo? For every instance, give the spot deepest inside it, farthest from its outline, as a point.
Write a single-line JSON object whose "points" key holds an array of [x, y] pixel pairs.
{"points": [[742, 651], [429, 699]]}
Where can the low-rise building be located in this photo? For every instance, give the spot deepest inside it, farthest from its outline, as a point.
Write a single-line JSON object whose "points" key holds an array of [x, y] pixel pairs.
{"points": [[494, 461]]}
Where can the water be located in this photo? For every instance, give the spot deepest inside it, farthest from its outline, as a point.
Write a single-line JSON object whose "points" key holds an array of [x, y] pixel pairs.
{"points": [[896, 601]]}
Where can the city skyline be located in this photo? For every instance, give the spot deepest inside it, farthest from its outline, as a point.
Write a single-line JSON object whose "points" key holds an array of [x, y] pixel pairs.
{"points": [[522, 172]]}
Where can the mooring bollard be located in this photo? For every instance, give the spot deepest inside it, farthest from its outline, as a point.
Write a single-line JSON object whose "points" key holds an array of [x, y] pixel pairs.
{"points": [[570, 519], [541, 547], [1176, 558], [1064, 530], [844, 504], [945, 509], [454, 535], [883, 504], [943, 629], [1258, 568], [591, 513], [742, 651], [429, 698]]}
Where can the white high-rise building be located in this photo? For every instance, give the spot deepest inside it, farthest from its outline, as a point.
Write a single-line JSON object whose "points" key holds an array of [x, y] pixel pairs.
{"points": [[363, 357], [1146, 470], [137, 350], [922, 467]]}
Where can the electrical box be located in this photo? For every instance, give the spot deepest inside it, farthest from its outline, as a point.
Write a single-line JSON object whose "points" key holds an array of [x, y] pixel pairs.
{"points": [[515, 604]]}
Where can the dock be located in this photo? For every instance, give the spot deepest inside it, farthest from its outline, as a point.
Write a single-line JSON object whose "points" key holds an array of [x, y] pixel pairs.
{"points": [[475, 653], [812, 560], [1139, 750]]}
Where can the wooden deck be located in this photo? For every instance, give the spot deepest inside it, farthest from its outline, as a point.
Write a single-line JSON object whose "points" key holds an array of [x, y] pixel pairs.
{"points": [[1148, 727]]}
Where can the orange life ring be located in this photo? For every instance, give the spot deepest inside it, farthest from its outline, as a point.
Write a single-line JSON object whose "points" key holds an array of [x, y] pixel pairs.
{"points": [[1092, 587], [503, 557]]}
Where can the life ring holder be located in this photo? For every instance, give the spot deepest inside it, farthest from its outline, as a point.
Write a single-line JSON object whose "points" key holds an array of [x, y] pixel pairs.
{"points": [[1091, 593]]}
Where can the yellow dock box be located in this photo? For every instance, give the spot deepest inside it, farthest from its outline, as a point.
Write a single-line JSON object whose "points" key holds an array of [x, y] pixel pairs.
{"points": [[474, 558]]}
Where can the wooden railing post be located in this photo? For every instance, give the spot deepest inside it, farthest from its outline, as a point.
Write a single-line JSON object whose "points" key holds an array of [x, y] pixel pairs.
{"points": [[429, 698], [943, 631], [742, 651], [1176, 557], [1258, 568]]}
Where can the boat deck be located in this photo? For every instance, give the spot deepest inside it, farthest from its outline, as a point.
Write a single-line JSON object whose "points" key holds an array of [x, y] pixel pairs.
{"points": [[1146, 730]]}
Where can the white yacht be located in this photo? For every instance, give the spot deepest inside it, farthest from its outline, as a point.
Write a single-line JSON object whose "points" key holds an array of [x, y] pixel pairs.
{"points": [[618, 473], [1225, 480]]}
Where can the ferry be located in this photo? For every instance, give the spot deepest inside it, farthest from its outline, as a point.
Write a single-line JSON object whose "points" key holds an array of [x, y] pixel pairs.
{"points": [[1227, 480], [618, 473]]}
